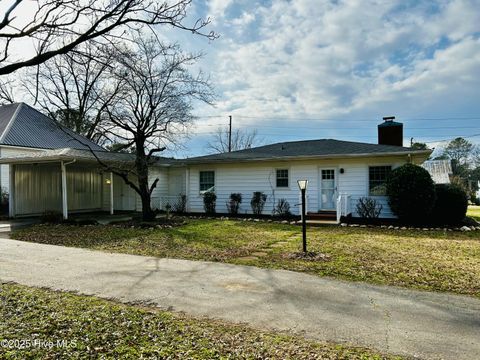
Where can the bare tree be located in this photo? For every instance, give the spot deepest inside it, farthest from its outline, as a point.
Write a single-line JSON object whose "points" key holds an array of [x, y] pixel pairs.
{"points": [[58, 26], [75, 89], [155, 103], [7, 95], [241, 139]]}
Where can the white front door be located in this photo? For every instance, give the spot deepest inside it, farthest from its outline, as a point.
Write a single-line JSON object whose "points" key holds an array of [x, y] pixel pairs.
{"points": [[328, 189]]}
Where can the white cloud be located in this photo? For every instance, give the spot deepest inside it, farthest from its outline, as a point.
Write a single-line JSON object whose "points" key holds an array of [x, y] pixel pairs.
{"points": [[217, 8], [329, 58]]}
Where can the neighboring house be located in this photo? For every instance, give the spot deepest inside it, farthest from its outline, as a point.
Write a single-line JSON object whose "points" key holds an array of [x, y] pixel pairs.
{"points": [[440, 170], [339, 173]]}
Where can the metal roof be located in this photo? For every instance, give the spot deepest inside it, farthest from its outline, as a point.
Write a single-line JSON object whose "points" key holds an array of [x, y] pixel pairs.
{"points": [[22, 125], [323, 148]]}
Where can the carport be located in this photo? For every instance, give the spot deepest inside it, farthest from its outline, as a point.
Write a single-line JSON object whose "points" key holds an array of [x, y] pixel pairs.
{"points": [[68, 181]]}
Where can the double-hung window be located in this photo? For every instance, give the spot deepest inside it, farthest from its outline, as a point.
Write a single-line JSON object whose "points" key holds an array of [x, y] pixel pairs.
{"points": [[377, 178], [282, 178], [207, 181]]}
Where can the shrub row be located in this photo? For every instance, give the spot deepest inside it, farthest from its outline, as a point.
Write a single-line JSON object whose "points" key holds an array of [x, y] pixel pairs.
{"points": [[257, 204]]}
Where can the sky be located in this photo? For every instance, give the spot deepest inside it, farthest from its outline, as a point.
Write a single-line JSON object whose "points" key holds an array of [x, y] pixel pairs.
{"points": [[312, 69]]}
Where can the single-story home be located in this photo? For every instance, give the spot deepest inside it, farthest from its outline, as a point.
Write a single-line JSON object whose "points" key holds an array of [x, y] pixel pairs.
{"points": [[61, 175]]}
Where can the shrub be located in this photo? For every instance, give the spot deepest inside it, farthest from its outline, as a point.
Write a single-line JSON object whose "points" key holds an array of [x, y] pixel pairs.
{"points": [[258, 202], [282, 209], [451, 204], [4, 201], [411, 193], [234, 204], [180, 205], [368, 208], [209, 202], [51, 217]]}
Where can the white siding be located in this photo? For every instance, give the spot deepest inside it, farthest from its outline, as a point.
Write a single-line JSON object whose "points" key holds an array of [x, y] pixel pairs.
{"points": [[176, 181], [249, 177]]}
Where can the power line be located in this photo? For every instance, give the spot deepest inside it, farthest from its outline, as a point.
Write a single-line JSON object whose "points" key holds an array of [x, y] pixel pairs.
{"points": [[338, 128], [300, 118], [351, 136]]}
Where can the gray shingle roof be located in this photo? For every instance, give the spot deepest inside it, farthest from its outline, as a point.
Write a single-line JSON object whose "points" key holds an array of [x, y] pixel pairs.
{"points": [[307, 149], [22, 125]]}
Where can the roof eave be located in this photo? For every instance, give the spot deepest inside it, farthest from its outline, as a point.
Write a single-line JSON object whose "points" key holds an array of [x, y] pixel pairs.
{"points": [[426, 153], [58, 158]]}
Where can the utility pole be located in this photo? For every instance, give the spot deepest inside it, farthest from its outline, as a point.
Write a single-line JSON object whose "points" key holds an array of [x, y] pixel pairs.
{"points": [[230, 135]]}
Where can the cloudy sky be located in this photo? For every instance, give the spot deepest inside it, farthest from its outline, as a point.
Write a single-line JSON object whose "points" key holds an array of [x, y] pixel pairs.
{"points": [[310, 69]]}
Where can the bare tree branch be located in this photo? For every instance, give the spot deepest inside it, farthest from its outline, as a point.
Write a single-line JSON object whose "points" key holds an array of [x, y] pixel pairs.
{"points": [[60, 26], [241, 139]]}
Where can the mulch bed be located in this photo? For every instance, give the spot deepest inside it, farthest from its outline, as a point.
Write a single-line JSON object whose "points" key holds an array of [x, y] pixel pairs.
{"points": [[309, 256]]}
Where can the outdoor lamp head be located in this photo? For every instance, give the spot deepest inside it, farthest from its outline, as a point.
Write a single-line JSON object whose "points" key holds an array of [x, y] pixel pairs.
{"points": [[302, 184]]}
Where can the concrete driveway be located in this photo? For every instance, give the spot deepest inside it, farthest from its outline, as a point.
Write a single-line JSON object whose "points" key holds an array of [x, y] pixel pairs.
{"points": [[422, 324]]}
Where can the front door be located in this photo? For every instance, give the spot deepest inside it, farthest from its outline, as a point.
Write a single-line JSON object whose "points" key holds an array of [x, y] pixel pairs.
{"points": [[328, 189]]}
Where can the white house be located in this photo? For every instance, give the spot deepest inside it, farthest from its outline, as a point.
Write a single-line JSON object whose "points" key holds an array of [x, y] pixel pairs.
{"points": [[69, 179]]}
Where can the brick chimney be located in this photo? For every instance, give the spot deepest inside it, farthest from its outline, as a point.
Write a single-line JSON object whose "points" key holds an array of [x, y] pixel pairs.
{"points": [[390, 132]]}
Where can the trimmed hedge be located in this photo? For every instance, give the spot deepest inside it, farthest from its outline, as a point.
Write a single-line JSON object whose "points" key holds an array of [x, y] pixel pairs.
{"points": [[451, 204], [411, 193], [209, 202]]}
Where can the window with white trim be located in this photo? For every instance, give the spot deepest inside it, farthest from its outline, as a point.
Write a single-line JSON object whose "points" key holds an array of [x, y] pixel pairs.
{"points": [[377, 179], [207, 181], [282, 178]]}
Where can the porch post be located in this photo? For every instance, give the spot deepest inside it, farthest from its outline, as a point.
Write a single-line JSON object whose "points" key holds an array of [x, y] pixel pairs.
{"points": [[11, 191], [64, 192], [111, 193]]}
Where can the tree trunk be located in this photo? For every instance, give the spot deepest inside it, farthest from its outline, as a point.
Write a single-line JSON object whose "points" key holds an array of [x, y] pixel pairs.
{"points": [[142, 176]]}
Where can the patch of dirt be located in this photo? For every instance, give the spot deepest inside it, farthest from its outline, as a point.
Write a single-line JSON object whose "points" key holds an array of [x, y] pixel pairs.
{"points": [[309, 256]]}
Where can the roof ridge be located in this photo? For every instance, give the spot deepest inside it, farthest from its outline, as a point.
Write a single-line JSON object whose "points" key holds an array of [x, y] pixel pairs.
{"points": [[11, 121]]}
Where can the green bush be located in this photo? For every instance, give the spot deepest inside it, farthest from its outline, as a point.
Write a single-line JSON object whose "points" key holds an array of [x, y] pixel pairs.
{"points": [[209, 202], [4, 201], [411, 193], [234, 203], [451, 204], [258, 202]]}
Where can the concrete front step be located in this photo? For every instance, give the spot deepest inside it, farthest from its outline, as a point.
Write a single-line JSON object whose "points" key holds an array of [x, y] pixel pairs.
{"points": [[5, 228]]}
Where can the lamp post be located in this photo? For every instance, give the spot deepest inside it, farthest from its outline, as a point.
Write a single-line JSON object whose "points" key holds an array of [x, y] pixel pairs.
{"points": [[302, 185]]}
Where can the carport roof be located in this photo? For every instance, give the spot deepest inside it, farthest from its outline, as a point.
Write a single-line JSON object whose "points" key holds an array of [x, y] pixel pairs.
{"points": [[68, 154]]}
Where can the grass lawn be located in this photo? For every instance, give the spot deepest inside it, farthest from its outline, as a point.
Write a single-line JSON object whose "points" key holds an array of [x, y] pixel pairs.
{"points": [[428, 260], [474, 212], [95, 328]]}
